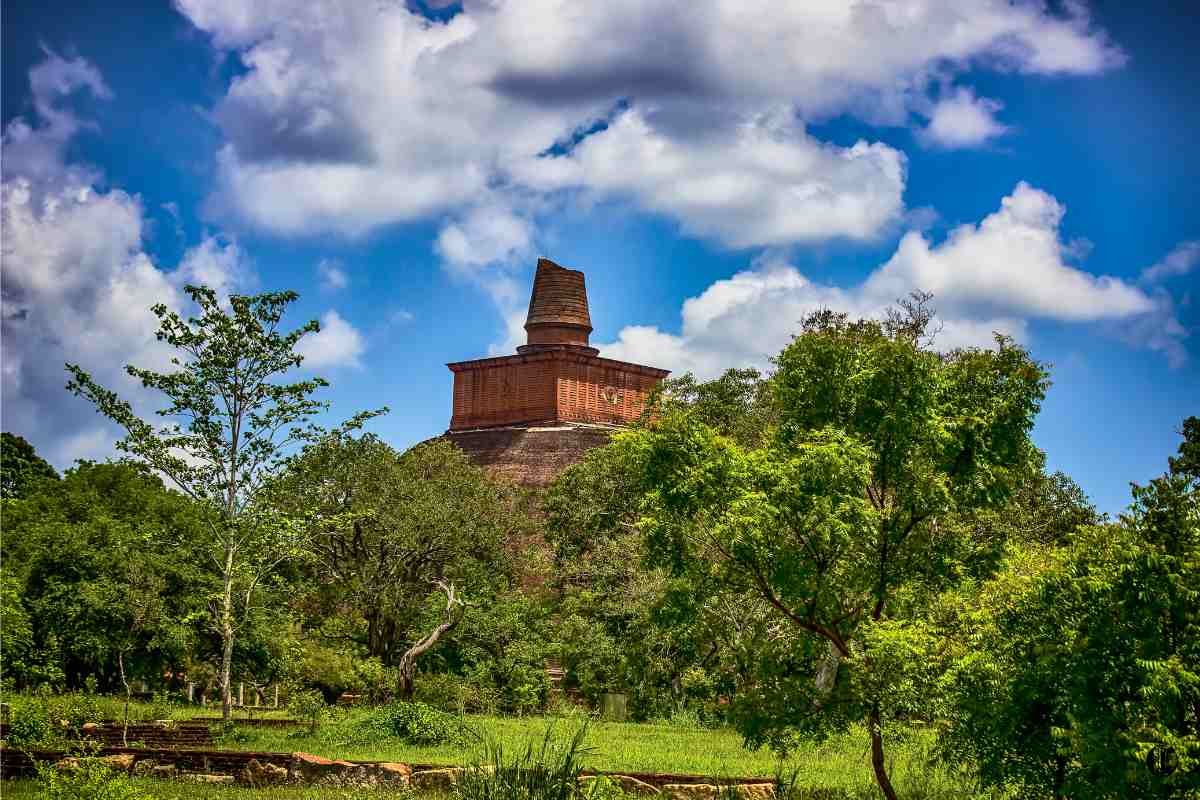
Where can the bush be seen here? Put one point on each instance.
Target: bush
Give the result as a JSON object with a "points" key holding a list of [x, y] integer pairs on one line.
{"points": [[412, 723], [456, 694], [30, 724], [417, 723], [91, 779], [308, 705], [77, 708]]}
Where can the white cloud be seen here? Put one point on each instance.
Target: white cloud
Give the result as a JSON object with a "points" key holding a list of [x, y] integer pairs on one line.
{"points": [[34, 149], [998, 275], [1012, 262], [332, 275], [963, 120], [353, 116], [486, 234], [1182, 259], [337, 344], [219, 265], [762, 182], [77, 284]]}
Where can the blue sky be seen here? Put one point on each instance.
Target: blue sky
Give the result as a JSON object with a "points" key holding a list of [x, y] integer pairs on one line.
{"points": [[716, 169]]}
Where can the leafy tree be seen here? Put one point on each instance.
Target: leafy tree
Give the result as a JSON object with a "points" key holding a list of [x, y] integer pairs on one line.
{"points": [[231, 427], [627, 626], [838, 516], [101, 565], [402, 543], [20, 466], [1076, 672]]}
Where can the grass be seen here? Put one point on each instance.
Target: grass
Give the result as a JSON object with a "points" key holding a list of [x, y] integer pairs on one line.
{"points": [[840, 763]]}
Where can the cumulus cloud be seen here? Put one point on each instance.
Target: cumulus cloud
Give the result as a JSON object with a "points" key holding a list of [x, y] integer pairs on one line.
{"points": [[337, 344], [995, 276], [486, 234], [762, 182], [962, 120], [352, 116], [77, 284], [34, 148], [332, 275]]}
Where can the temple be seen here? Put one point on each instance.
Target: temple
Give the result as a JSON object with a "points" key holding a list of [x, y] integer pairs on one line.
{"points": [[528, 416]]}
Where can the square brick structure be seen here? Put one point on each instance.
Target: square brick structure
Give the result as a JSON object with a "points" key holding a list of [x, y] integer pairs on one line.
{"points": [[528, 416]]}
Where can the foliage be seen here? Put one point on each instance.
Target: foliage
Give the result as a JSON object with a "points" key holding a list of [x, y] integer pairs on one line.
{"points": [[412, 723], [21, 468], [548, 770], [30, 723], [308, 705], [501, 650], [88, 778], [1077, 671], [230, 430], [393, 536], [88, 579], [838, 517], [456, 694], [675, 644]]}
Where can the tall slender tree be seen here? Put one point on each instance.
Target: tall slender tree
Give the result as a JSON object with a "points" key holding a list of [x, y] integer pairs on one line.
{"points": [[231, 424]]}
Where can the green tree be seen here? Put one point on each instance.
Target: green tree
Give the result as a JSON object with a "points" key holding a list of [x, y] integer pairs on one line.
{"points": [[1076, 669], [402, 543], [20, 466], [102, 566], [625, 625], [230, 427], [839, 515]]}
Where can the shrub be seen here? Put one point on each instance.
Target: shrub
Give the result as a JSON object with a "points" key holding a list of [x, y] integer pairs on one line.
{"points": [[413, 723], [77, 708], [308, 705], [417, 723], [457, 694], [30, 724], [90, 779]]}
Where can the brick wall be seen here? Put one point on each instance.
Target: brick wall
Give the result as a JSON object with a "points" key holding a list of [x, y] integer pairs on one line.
{"points": [[557, 384], [529, 456]]}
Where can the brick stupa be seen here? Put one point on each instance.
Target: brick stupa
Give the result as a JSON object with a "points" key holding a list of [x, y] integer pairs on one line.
{"points": [[527, 417]]}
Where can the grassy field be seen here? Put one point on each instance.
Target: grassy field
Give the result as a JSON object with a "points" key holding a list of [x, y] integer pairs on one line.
{"points": [[841, 763]]}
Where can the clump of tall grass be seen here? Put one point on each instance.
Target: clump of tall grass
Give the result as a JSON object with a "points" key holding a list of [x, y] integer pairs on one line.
{"points": [[547, 770]]}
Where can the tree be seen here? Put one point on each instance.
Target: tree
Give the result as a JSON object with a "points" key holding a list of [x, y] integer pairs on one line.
{"points": [[1076, 671], [231, 427], [20, 466], [402, 543], [103, 564], [838, 516], [668, 641]]}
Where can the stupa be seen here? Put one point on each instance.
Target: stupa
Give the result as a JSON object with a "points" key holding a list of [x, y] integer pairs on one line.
{"points": [[528, 416]]}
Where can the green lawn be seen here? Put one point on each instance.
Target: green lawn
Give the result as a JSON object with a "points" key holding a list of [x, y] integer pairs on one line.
{"points": [[841, 762]]}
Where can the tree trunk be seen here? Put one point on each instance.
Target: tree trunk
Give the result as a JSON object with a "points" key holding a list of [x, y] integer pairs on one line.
{"points": [[408, 661], [227, 637], [128, 692], [877, 761], [405, 684]]}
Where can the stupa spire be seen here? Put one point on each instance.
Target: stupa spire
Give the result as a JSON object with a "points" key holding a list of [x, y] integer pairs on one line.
{"points": [[558, 309]]}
